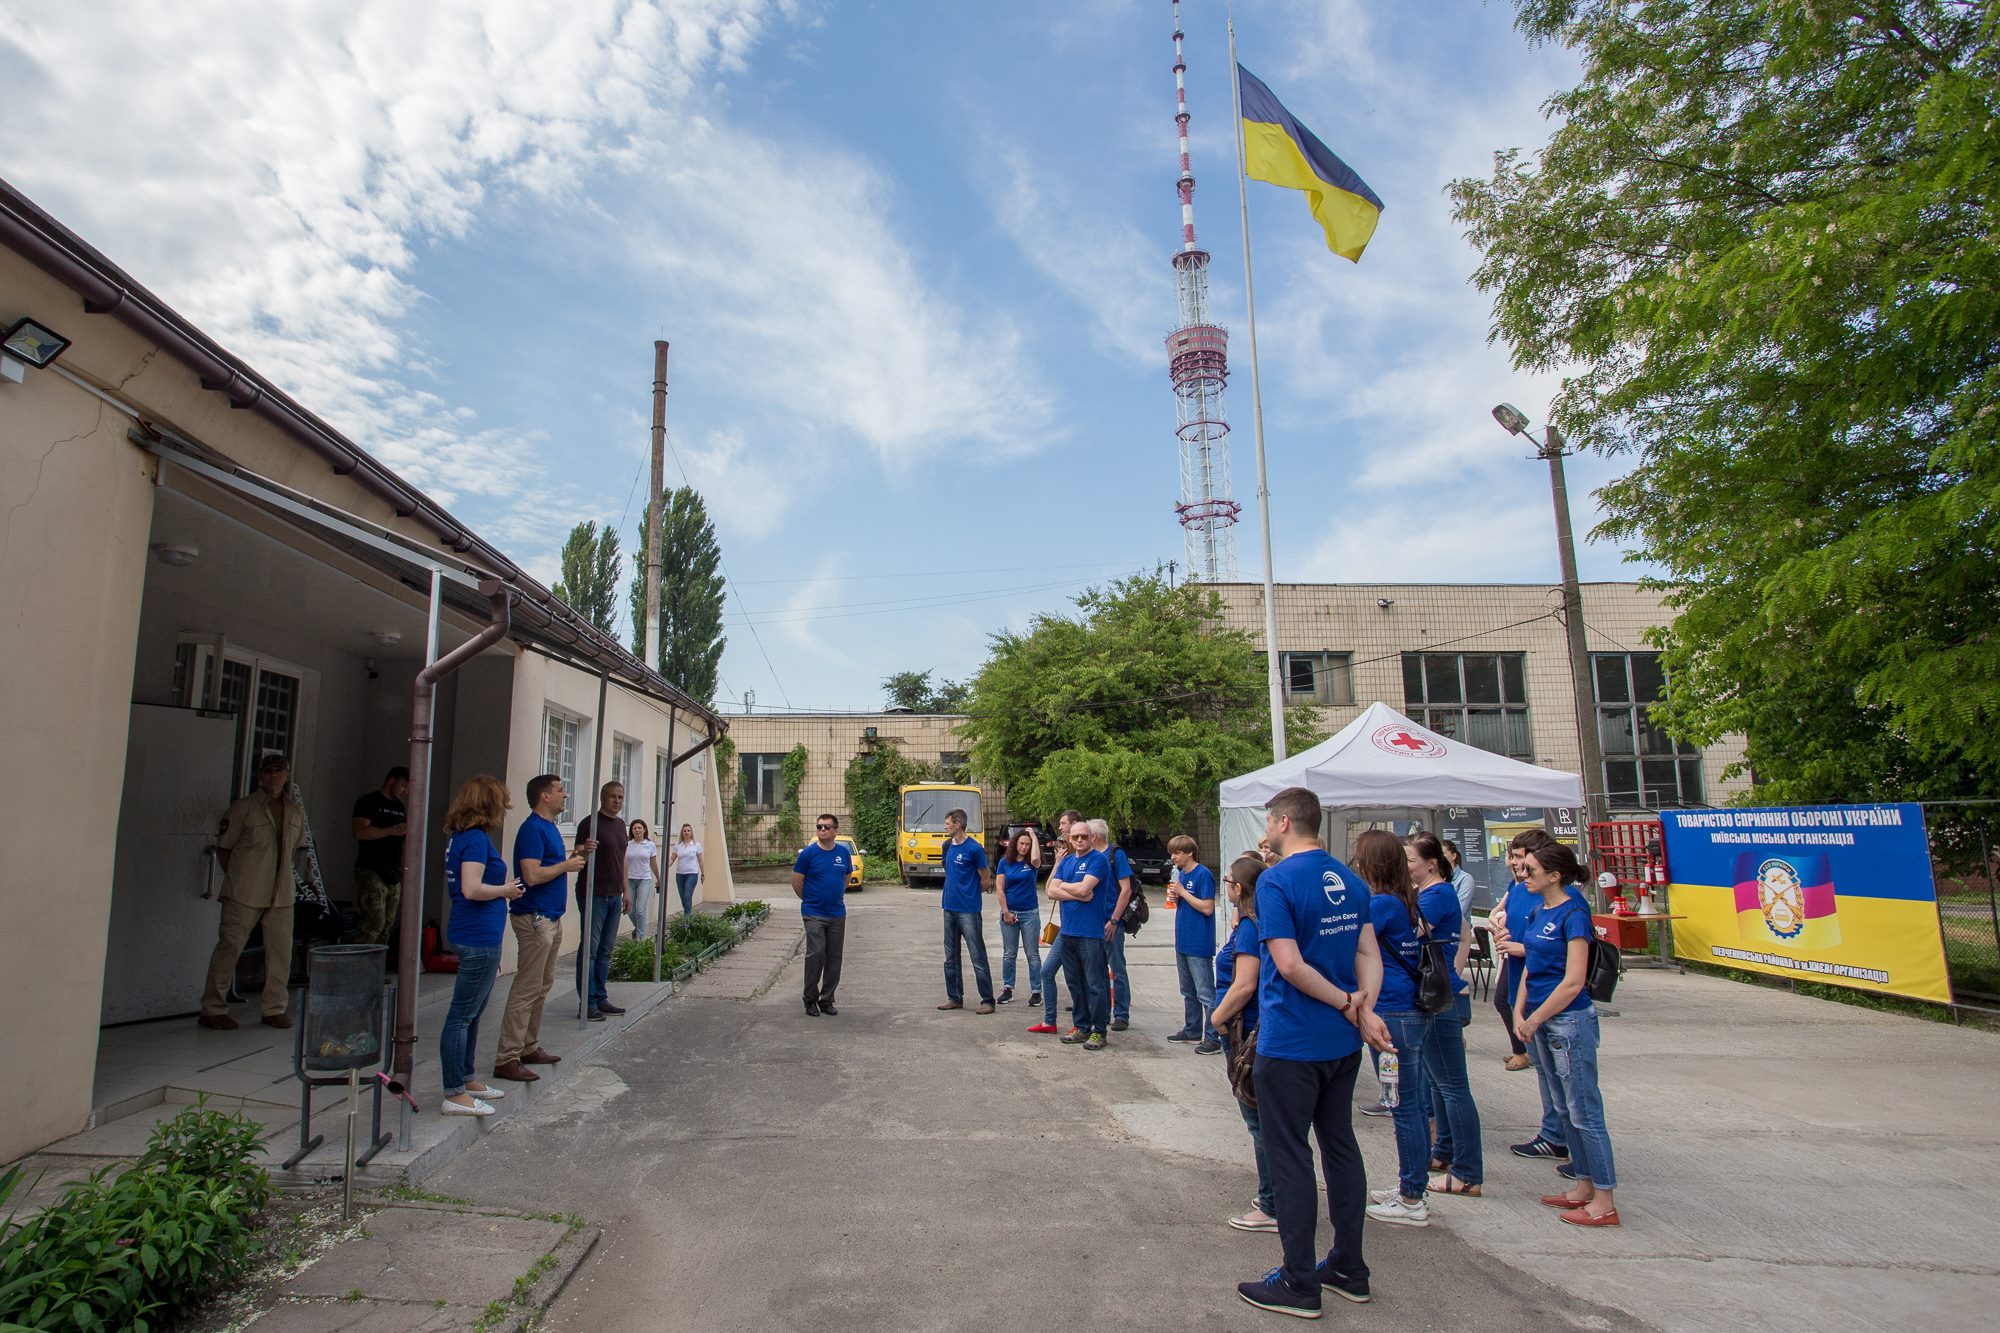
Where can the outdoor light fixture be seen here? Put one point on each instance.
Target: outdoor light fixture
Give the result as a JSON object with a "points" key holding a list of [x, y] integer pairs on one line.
{"points": [[1385, 602], [1511, 418], [178, 556], [388, 638], [36, 344]]}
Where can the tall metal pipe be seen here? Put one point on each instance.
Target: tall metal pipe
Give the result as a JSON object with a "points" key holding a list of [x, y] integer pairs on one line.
{"points": [[409, 929], [654, 563]]}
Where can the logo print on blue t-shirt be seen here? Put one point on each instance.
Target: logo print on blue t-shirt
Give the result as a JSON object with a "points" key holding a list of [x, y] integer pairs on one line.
{"points": [[1335, 886]]}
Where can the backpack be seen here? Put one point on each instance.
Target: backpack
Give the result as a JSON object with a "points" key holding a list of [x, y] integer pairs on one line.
{"points": [[1433, 970], [1600, 976], [1137, 912]]}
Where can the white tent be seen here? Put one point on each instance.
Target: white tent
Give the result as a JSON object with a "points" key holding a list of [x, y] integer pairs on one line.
{"points": [[1383, 761]]}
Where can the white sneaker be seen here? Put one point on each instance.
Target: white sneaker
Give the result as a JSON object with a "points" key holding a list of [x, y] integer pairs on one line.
{"points": [[1254, 1220], [1389, 1195], [489, 1092], [450, 1107], [1401, 1212]]}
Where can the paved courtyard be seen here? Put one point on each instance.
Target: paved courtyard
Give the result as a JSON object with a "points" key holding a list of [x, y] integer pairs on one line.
{"points": [[1784, 1164]]}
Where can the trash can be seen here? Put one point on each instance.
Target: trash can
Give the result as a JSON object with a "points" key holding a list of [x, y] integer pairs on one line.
{"points": [[344, 1007]]}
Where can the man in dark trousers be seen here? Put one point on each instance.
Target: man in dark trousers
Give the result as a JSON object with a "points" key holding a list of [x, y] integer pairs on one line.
{"points": [[819, 878], [380, 824], [609, 901], [1318, 973]]}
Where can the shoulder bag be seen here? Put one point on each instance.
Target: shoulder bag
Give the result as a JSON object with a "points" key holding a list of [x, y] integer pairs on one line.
{"points": [[1433, 970], [1242, 1067]]}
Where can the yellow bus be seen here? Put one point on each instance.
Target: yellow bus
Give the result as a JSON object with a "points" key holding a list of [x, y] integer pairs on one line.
{"points": [[920, 815]]}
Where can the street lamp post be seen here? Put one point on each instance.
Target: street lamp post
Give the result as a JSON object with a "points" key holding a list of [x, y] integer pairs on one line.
{"points": [[1550, 447]]}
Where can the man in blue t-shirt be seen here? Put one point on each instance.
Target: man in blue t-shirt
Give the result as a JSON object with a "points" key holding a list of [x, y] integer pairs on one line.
{"points": [[819, 878], [1192, 896], [543, 866], [1318, 973], [1114, 923], [966, 876], [1081, 882]]}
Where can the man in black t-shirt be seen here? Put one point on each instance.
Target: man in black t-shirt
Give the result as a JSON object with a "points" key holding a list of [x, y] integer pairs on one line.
{"points": [[380, 824]]}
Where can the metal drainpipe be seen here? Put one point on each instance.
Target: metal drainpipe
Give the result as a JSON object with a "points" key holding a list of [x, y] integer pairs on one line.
{"points": [[409, 929]]}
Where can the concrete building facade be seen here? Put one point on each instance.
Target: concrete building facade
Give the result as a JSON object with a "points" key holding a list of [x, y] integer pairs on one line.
{"points": [[196, 570]]}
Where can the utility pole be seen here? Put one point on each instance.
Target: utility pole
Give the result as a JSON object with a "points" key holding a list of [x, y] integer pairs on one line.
{"points": [[1579, 651], [653, 515]]}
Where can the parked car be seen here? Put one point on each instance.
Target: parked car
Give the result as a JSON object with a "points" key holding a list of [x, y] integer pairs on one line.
{"points": [[854, 875], [1148, 855], [1005, 839]]}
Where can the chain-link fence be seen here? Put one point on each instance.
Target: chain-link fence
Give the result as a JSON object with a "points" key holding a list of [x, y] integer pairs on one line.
{"points": [[1965, 845]]}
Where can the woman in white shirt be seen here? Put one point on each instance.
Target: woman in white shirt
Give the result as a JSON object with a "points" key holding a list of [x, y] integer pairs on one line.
{"points": [[642, 872], [688, 867]]}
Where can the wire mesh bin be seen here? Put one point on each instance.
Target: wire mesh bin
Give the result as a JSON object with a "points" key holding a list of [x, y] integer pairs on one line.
{"points": [[344, 1007]]}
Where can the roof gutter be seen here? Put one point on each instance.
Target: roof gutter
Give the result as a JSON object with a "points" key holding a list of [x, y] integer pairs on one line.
{"points": [[109, 290]]}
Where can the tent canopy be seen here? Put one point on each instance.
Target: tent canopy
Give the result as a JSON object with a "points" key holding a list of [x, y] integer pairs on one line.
{"points": [[1383, 759]]}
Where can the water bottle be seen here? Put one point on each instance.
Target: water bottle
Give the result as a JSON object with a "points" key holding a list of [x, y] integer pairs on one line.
{"points": [[1389, 1070]]}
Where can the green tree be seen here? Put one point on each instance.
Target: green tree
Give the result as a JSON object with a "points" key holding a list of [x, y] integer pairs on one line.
{"points": [[589, 581], [1763, 245], [691, 595], [913, 690], [873, 780], [1133, 711]]}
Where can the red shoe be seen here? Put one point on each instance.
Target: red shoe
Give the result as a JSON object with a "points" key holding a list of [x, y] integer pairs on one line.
{"points": [[1576, 1217], [1562, 1201], [1043, 1027]]}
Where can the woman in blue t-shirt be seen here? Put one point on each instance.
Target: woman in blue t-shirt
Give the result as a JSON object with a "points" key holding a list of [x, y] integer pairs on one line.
{"points": [[1456, 1151], [1553, 1012], [1392, 908], [479, 887], [1020, 914], [1236, 977]]}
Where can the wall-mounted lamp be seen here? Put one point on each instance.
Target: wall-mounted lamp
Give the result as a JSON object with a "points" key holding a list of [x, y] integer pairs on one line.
{"points": [[1385, 602], [29, 343], [388, 638], [178, 556]]}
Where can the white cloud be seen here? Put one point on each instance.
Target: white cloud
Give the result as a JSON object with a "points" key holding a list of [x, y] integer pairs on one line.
{"points": [[749, 492]]}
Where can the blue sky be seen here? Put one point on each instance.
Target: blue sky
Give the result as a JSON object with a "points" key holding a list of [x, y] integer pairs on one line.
{"points": [[912, 259]]}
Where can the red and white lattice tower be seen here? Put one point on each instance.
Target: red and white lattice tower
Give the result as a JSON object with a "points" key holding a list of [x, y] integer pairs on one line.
{"points": [[1198, 361]]}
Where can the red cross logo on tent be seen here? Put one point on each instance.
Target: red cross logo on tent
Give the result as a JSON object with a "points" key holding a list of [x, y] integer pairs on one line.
{"points": [[1401, 740]]}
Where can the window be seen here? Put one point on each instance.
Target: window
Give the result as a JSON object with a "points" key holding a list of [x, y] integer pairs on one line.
{"points": [[763, 780], [955, 766], [625, 769], [271, 700], [1644, 768], [1478, 698], [559, 750], [1321, 678]]}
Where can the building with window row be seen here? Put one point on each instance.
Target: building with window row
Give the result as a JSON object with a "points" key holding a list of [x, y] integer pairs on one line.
{"points": [[1489, 664]]}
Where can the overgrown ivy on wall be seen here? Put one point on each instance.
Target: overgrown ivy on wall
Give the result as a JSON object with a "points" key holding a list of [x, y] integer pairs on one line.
{"points": [[873, 777]]}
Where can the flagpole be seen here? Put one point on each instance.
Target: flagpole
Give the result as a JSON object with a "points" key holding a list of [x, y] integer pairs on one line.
{"points": [[1257, 416]]}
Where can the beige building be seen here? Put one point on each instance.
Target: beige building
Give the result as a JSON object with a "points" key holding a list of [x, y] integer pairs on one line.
{"points": [[195, 570], [832, 741], [1489, 663]]}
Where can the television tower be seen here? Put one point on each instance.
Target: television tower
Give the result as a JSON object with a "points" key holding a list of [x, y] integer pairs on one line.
{"points": [[1198, 361]]}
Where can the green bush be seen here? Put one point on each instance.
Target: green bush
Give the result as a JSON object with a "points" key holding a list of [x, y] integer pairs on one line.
{"points": [[137, 1249], [755, 908], [698, 930], [632, 960]]}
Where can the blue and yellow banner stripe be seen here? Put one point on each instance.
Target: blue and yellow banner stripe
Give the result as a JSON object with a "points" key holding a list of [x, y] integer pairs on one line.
{"points": [[1279, 150]]}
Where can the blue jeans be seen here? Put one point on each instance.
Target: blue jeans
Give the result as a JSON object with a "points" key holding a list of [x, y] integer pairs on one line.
{"points": [[1121, 990], [458, 1044], [965, 926], [1022, 935], [1410, 1029], [604, 916], [1567, 1044], [1197, 992], [1451, 1105], [1265, 1203], [1089, 986], [1553, 1128], [642, 899], [1053, 962], [686, 883]]}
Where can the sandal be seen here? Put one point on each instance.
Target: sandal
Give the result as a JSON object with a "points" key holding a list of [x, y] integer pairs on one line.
{"points": [[1450, 1184]]}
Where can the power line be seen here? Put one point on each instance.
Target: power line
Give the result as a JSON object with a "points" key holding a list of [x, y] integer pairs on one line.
{"points": [[934, 573], [842, 611], [730, 584]]}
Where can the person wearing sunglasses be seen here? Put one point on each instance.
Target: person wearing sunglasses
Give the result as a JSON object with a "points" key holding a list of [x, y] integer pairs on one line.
{"points": [[819, 878]]}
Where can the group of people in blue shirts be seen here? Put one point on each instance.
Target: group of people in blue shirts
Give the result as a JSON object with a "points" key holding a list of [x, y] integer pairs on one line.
{"points": [[1327, 959]]}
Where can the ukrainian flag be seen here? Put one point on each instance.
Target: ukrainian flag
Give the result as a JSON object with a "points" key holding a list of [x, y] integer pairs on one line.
{"points": [[1276, 148]]}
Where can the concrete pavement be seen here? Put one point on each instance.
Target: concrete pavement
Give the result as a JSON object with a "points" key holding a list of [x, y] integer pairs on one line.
{"points": [[900, 1168]]}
